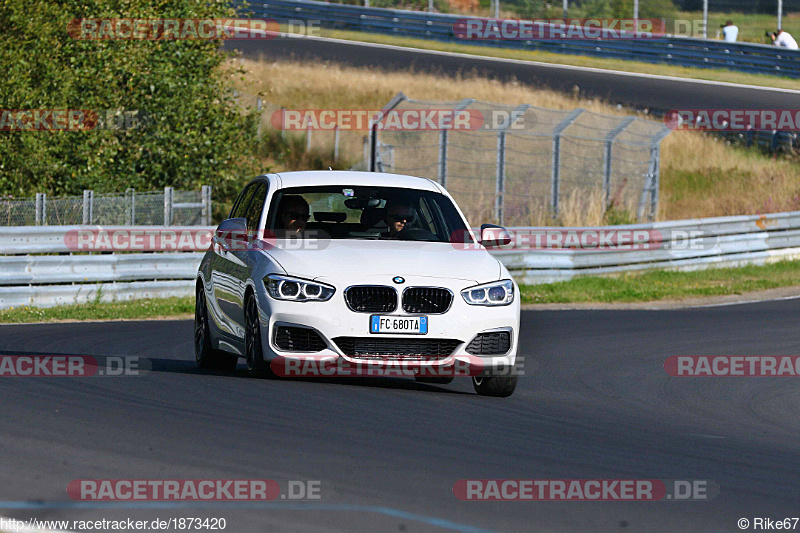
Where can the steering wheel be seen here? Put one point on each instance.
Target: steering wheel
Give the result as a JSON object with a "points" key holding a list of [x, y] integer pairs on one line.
{"points": [[415, 234]]}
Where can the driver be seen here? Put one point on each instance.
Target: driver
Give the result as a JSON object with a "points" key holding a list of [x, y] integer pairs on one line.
{"points": [[293, 215], [399, 215]]}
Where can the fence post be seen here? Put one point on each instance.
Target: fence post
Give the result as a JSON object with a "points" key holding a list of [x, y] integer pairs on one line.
{"points": [[556, 169], [88, 207], [655, 154], [609, 143], [259, 107], [168, 206], [443, 157], [39, 206], [443, 140], [373, 133], [206, 194], [654, 174], [336, 143], [501, 176], [131, 206], [308, 135]]}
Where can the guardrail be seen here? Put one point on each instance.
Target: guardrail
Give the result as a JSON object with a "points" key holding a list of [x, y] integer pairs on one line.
{"points": [[65, 277], [673, 50]]}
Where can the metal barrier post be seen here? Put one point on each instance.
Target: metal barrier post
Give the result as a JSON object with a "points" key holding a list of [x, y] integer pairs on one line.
{"points": [[609, 143], [168, 206], [556, 169], [259, 107]]}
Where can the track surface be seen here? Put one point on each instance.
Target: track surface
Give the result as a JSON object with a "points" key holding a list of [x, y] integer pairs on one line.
{"points": [[639, 91], [596, 403]]}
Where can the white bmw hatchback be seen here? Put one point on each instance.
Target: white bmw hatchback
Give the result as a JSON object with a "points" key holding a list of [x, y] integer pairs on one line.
{"points": [[358, 267]]}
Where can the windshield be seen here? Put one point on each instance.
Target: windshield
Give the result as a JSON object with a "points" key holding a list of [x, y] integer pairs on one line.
{"points": [[356, 212]]}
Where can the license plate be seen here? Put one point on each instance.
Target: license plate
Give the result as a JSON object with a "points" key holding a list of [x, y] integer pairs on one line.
{"points": [[410, 325]]}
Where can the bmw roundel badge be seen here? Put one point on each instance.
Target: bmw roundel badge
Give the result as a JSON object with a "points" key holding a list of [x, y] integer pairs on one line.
{"points": [[399, 279]]}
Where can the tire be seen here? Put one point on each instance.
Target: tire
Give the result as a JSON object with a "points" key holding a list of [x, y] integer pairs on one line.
{"points": [[256, 366], [206, 357], [498, 386]]}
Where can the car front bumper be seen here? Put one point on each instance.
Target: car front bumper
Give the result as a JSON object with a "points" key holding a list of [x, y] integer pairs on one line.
{"points": [[334, 319]]}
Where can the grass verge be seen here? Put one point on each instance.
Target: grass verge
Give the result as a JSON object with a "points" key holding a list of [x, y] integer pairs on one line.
{"points": [[136, 309], [646, 287], [665, 285]]}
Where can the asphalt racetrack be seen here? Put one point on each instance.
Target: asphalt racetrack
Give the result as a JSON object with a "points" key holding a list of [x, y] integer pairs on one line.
{"points": [[640, 91], [596, 403]]}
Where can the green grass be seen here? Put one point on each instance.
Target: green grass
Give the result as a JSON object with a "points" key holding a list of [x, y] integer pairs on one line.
{"points": [[665, 285], [575, 60], [136, 309]]}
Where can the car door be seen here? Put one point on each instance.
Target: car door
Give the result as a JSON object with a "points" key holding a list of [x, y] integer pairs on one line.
{"points": [[241, 259], [227, 272]]}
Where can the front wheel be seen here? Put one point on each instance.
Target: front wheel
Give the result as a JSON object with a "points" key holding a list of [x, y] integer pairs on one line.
{"points": [[205, 355], [499, 386], [256, 366]]}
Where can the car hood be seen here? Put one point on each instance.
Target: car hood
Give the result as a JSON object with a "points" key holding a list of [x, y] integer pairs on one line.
{"points": [[345, 258]]}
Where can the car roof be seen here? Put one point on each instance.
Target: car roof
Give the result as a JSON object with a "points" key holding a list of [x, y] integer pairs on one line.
{"points": [[351, 177]]}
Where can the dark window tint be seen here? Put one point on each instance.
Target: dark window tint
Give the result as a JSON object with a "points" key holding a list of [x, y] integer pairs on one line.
{"points": [[253, 213], [240, 207]]}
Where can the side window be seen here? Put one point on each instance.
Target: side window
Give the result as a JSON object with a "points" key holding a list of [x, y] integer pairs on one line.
{"points": [[240, 207], [253, 213]]}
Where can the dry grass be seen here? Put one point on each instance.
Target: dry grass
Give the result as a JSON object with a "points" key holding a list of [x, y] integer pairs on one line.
{"points": [[703, 176], [700, 176]]}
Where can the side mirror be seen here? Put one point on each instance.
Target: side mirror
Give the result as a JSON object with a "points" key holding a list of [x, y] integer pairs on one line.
{"points": [[493, 236], [231, 233]]}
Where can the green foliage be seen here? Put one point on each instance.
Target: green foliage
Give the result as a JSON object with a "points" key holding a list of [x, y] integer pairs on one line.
{"points": [[195, 134], [132, 310]]}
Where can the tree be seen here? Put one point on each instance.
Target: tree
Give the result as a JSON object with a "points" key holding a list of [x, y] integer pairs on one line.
{"points": [[194, 132]]}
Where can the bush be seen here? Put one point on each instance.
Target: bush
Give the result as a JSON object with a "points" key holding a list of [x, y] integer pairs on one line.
{"points": [[195, 133]]}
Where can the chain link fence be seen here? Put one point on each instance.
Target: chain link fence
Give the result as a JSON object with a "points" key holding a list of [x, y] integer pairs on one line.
{"points": [[169, 208], [526, 165]]}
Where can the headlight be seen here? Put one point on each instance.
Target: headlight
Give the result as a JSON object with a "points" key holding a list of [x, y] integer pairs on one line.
{"points": [[494, 293], [296, 289]]}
